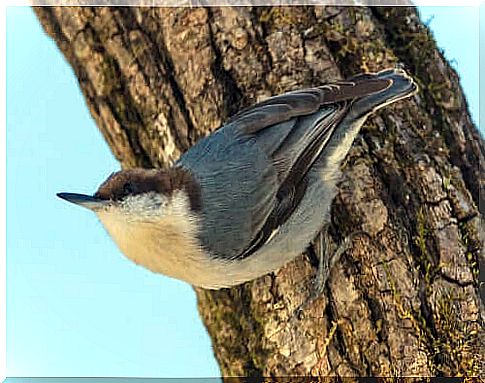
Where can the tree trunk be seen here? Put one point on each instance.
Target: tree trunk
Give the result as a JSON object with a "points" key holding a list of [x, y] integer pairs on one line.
{"points": [[405, 298]]}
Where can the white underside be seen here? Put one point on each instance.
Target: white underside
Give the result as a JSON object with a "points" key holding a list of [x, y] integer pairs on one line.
{"points": [[166, 245]]}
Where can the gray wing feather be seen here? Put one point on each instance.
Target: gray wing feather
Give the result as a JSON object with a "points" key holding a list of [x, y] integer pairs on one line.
{"points": [[252, 171], [238, 186]]}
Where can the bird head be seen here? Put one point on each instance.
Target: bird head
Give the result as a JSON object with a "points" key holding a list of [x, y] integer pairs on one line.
{"points": [[139, 193]]}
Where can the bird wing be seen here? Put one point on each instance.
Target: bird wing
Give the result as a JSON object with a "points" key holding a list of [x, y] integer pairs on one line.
{"points": [[253, 171]]}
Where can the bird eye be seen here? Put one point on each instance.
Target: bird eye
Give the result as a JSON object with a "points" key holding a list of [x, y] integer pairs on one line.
{"points": [[127, 188]]}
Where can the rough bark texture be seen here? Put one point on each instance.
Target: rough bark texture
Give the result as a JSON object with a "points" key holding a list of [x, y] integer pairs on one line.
{"points": [[405, 299]]}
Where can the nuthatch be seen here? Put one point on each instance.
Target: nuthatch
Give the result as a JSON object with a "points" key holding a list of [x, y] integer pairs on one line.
{"points": [[249, 197]]}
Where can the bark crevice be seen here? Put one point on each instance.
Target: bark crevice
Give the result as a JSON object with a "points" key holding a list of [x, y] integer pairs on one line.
{"points": [[231, 93]]}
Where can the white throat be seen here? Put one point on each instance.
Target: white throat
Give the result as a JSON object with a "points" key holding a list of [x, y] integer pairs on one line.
{"points": [[156, 232]]}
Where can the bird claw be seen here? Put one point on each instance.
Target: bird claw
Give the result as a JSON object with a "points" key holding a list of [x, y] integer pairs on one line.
{"points": [[325, 266]]}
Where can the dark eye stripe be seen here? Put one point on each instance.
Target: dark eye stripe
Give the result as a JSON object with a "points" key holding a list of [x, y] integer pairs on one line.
{"points": [[128, 188]]}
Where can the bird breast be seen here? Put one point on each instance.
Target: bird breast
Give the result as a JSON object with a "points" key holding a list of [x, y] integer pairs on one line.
{"points": [[164, 243]]}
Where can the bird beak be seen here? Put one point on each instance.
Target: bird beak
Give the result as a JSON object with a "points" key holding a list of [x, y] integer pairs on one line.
{"points": [[87, 201]]}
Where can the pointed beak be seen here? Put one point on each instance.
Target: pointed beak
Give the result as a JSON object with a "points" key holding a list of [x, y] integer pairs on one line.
{"points": [[87, 201]]}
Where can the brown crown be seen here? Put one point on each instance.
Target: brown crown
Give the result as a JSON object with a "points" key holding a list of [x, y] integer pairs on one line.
{"points": [[139, 181]]}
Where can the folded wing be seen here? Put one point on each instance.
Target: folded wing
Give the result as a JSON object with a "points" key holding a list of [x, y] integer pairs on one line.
{"points": [[253, 171]]}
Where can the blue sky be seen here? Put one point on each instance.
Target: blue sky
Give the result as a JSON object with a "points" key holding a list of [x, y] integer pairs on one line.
{"points": [[75, 305]]}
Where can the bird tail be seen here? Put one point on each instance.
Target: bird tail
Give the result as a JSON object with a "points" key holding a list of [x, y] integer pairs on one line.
{"points": [[401, 86]]}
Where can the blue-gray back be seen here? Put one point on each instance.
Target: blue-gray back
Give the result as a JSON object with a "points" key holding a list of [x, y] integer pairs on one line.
{"points": [[253, 171]]}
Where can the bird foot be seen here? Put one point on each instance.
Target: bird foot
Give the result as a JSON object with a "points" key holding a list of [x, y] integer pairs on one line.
{"points": [[324, 258]]}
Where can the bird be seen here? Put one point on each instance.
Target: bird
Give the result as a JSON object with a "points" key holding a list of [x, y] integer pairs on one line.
{"points": [[249, 197]]}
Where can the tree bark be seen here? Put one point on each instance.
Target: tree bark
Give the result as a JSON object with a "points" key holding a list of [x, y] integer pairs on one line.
{"points": [[405, 299]]}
